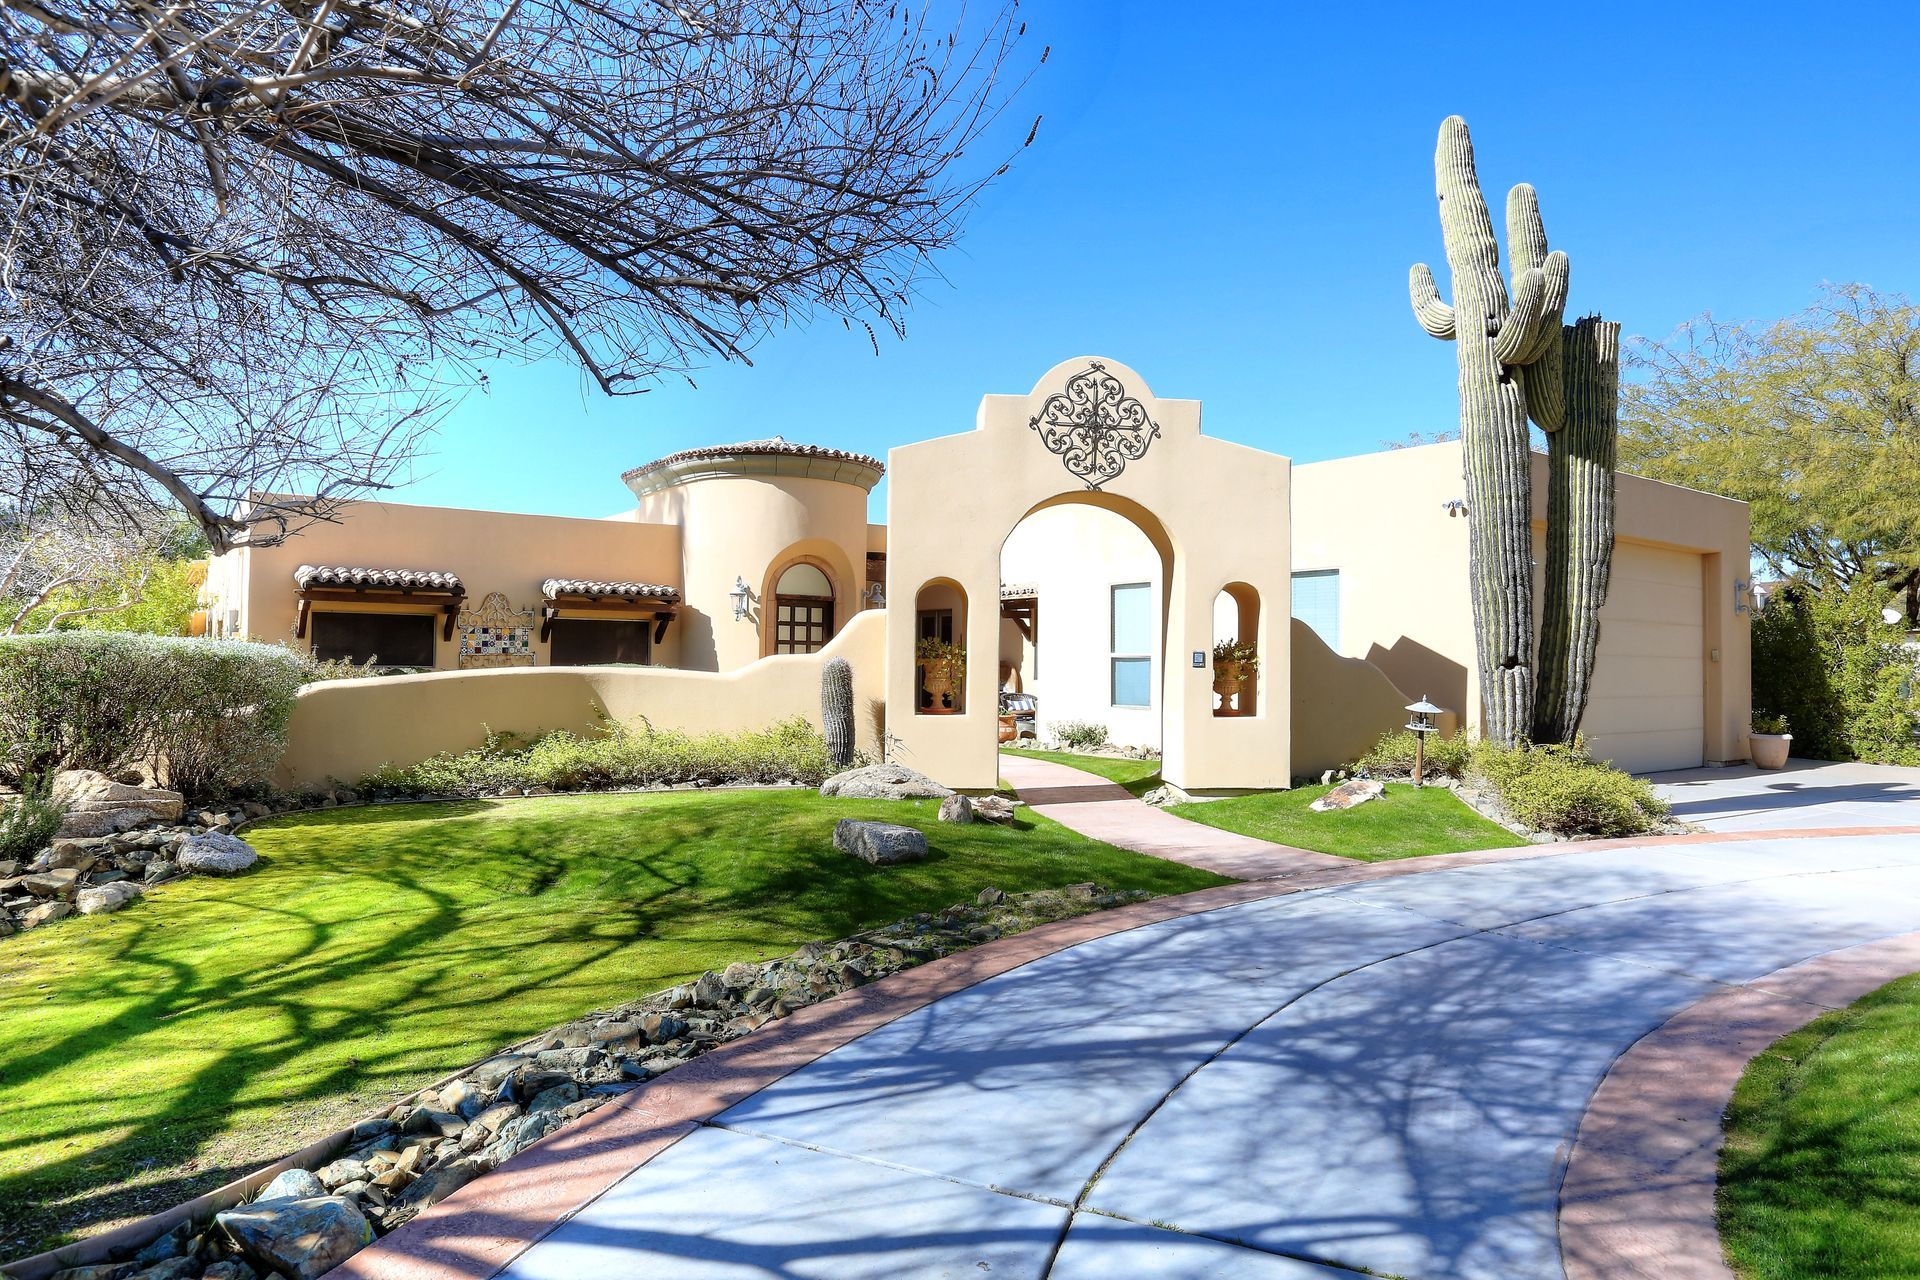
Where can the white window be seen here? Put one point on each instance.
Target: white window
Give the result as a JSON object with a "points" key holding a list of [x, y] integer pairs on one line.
{"points": [[1316, 602], [1132, 641]]}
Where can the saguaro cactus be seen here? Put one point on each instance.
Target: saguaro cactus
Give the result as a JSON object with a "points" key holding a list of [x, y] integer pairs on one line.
{"points": [[1497, 337], [1580, 465], [836, 710]]}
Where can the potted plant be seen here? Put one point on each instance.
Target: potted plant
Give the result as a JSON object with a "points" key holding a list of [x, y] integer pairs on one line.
{"points": [[1234, 665], [943, 668], [1769, 742]]}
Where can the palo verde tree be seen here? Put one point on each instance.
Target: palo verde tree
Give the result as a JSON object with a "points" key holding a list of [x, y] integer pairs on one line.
{"points": [[254, 245], [1518, 362]]}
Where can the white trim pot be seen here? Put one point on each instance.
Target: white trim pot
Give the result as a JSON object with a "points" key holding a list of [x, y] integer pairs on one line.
{"points": [[1769, 750]]}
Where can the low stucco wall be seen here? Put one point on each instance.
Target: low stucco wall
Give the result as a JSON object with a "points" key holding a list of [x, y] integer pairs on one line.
{"points": [[1341, 706], [344, 729]]}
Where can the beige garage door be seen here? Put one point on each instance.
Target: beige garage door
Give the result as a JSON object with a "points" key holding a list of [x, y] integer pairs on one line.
{"points": [[1646, 712]]}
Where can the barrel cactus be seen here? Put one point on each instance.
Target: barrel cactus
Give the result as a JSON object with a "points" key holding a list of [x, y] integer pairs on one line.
{"points": [[836, 710], [1499, 337]]}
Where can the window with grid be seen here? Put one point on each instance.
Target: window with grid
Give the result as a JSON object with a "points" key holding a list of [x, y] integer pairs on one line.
{"points": [[1316, 602], [802, 610], [1131, 653]]}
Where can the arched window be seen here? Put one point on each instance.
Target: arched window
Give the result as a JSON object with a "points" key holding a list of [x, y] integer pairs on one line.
{"points": [[1236, 656], [803, 610], [940, 649]]}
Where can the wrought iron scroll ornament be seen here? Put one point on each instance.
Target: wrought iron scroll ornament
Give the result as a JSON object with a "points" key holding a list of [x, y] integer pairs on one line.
{"points": [[1095, 426]]}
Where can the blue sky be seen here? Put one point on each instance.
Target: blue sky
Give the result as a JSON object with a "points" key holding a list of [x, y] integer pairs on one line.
{"points": [[1230, 203]]}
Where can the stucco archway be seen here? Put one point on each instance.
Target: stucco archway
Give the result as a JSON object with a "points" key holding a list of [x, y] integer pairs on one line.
{"points": [[1091, 431]]}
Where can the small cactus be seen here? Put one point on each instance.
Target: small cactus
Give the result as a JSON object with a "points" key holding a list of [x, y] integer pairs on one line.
{"points": [[836, 710]]}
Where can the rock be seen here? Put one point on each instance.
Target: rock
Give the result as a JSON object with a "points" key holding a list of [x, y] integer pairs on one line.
{"points": [[494, 1118], [884, 782], [107, 897], [98, 1271], [994, 808], [1348, 794], [231, 1269], [8, 868], [880, 844], [96, 805], [293, 1184], [710, 990], [216, 853], [81, 855], [171, 1269], [957, 810], [45, 913], [426, 1120], [341, 1172], [553, 1098], [433, 1186], [1165, 794], [991, 897], [740, 974], [158, 869], [301, 1239], [51, 884], [465, 1098], [171, 1245]]}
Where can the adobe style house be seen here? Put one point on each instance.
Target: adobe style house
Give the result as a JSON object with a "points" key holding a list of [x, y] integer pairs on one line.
{"points": [[1087, 531]]}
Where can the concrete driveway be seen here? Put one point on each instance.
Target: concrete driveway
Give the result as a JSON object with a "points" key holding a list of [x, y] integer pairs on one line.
{"points": [[1806, 794], [1383, 1075]]}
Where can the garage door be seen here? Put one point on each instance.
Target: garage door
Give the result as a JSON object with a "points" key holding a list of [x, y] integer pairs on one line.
{"points": [[1646, 712]]}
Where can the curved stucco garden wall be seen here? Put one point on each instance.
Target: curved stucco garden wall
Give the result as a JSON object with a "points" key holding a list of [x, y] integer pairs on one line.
{"points": [[1341, 706], [344, 729]]}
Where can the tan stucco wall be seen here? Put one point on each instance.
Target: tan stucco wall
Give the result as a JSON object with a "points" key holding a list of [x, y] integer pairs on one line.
{"points": [[344, 729], [952, 502], [1341, 706], [490, 550], [1404, 605]]}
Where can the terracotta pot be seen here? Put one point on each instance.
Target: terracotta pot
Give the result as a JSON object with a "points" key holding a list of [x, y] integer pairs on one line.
{"points": [[1769, 750], [1229, 679], [938, 682]]}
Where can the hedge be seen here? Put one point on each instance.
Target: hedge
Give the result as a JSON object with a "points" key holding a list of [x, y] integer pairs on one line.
{"points": [[209, 717]]}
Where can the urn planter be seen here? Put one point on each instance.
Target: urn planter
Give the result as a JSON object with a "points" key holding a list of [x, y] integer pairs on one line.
{"points": [[1769, 750]]}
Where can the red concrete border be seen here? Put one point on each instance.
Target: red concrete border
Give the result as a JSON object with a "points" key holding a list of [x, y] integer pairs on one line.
{"points": [[481, 1228], [1638, 1200]]}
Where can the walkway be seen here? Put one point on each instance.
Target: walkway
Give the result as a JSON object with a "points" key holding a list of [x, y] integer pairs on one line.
{"points": [[1106, 811], [1260, 1082], [1807, 793]]}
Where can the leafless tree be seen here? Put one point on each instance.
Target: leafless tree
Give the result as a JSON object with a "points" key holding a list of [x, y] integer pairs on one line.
{"points": [[69, 543], [254, 246]]}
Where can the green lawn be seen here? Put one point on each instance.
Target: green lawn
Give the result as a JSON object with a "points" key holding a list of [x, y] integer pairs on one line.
{"points": [[1820, 1176], [149, 1055], [1406, 822]]}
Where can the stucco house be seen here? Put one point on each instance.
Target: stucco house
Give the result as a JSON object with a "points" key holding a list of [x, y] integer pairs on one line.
{"points": [[1087, 531]]}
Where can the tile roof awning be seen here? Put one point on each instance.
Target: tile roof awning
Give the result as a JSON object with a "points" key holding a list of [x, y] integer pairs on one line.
{"points": [[592, 595], [349, 583], [594, 589]]}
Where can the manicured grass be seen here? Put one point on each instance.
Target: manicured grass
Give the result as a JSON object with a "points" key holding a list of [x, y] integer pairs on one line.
{"points": [[149, 1055], [1820, 1175], [1406, 822], [1137, 776]]}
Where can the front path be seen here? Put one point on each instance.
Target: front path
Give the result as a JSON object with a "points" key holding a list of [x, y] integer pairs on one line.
{"points": [[1384, 1074]]}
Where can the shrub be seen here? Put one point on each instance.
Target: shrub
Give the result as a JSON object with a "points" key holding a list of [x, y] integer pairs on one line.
{"points": [[27, 825], [1770, 724], [1078, 735], [1851, 687], [1559, 789], [209, 716], [1392, 756], [618, 756]]}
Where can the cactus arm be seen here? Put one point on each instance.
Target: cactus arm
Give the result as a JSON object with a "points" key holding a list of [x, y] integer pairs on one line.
{"points": [[1435, 316], [1526, 234], [1520, 331], [1546, 389]]}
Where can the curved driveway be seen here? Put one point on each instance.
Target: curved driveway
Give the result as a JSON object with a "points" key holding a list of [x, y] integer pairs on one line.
{"points": [[1383, 1076]]}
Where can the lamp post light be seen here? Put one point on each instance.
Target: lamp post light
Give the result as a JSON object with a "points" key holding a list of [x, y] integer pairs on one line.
{"points": [[740, 597], [1420, 726]]}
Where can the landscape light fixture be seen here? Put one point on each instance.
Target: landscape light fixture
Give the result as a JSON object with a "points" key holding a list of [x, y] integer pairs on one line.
{"points": [[740, 597], [1420, 726]]}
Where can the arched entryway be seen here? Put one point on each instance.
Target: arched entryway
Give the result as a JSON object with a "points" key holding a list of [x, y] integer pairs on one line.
{"points": [[1091, 433]]}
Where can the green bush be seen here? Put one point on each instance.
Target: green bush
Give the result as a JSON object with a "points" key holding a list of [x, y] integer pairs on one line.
{"points": [[27, 825], [1078, 735], [1392, 756], [209, 716], [1827, 662], [1559, 789], [618, 756]]}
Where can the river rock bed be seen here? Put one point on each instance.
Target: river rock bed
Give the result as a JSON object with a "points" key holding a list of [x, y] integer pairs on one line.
{"points": [[307, 1221]]}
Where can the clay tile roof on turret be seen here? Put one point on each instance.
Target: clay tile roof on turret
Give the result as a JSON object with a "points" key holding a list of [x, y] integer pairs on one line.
{"points": [[333, 575], [775, 445], [553, 588]]}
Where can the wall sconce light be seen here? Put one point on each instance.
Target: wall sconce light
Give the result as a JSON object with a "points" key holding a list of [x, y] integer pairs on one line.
{"points": [[877, 595], [741, 598], [1455, 507]]}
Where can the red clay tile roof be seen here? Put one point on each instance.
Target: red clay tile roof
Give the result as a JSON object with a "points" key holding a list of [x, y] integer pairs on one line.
{"points": [[311, 575], [553, 588], [776, 445]]}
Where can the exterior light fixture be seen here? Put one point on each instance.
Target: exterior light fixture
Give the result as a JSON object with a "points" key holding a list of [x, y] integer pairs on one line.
{"points": [[1420, 726], [877, 595], [1455, 507], [740, 597], [1740, 588]]}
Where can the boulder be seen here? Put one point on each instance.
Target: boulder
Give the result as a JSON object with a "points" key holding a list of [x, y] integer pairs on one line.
{"points": [[294, 1184], [1348, 794], [881, 844], [432, 1187], [45, 913], [884, 782], [994, 808], [301, 1239], [96, 805], [231, 1269], [957, 810], [216, 853], [51, 884], [107, 897]]}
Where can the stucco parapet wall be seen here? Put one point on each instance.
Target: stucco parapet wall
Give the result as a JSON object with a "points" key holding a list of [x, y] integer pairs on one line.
{"points": [[775, 457], [555, 588], [308, 575]]}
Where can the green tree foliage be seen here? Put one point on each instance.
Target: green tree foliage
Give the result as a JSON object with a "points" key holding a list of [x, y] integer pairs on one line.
{"points": [[154, 595], [1814, 420], [1848, 684]]}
